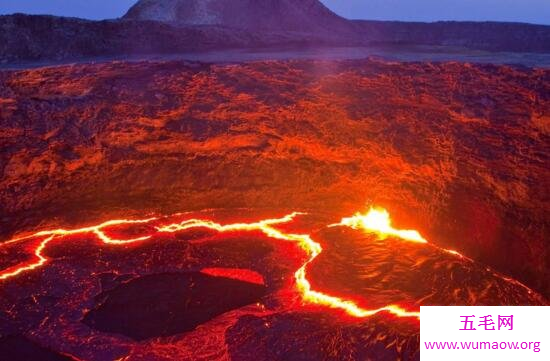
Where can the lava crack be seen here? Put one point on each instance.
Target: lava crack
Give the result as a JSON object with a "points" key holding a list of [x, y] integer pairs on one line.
{"points": [[376, 221]]}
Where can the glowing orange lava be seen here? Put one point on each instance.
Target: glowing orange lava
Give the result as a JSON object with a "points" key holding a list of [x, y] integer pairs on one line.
{"points": [[378, 221], [375, 221], [307, 244], [243, 275], [98, 231]]}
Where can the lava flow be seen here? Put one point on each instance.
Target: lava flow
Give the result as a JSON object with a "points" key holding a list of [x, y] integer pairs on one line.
{"points": [[376, 221], [53, 234]]}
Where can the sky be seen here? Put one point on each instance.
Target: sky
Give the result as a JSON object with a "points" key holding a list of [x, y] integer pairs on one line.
{"points": [[531, 11]]}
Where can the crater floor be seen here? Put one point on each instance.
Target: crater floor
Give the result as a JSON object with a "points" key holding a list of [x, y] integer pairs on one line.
{"points": [[220, 284], [458, 152]]}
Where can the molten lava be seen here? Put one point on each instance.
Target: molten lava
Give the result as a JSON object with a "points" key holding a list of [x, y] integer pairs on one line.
{"points": [[53, 234], [376, 221]]}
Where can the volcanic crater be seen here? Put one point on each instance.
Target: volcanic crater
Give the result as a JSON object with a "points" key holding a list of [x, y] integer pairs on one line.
{"points": [[269, 161]]}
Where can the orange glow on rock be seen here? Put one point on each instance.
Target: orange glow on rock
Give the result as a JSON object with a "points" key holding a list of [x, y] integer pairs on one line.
{"points": [[30, 266], [244, 275], [312, 248], [376, 221], [98, 231]]}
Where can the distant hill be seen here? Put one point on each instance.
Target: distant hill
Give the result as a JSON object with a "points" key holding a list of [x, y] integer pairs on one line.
{"points": [[491, 36], [31, 38], [258, 15], [26, 38], [176, 26]]}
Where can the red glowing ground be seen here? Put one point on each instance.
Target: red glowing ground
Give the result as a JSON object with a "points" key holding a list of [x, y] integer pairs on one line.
{"points": [[96, 263], [376, 221], [51, 256]]}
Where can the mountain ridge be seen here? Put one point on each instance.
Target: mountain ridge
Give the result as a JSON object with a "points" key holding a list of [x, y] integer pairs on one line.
{"points": [[182, 26], [258, 15]]}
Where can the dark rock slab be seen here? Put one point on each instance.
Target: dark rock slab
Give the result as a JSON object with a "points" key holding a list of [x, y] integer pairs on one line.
{"points": [[317, 336], [168, 304], [20, 348]]}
